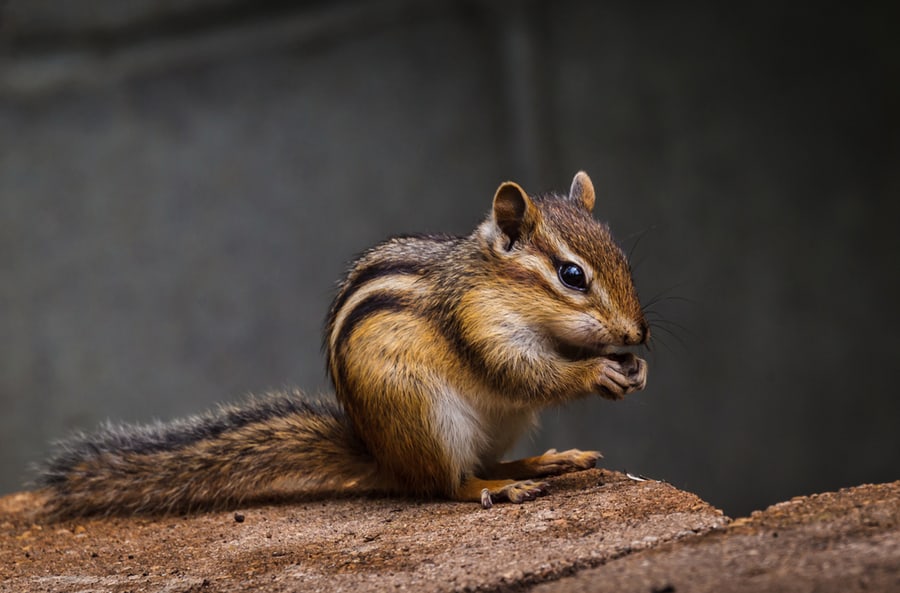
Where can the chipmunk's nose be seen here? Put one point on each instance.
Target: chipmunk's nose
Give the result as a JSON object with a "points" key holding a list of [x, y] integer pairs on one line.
{"points": [[637, 335]]}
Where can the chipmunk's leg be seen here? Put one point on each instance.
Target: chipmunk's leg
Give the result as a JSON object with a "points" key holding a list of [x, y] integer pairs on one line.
{"points": [[551, 463], [489, 491]]}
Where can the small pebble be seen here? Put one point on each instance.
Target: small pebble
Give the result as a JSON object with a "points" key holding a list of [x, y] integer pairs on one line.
{"points": [[239, 518]]}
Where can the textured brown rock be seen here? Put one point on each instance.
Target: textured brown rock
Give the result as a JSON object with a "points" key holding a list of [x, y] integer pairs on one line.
{"points": [[598, 531], [844, 542], [354, 544]]}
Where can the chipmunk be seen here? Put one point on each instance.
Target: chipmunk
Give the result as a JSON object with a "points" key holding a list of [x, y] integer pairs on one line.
{"points": [[441, 349]]}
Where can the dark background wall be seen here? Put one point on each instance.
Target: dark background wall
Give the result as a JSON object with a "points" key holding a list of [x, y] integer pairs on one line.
{"points": [[180, 187]]}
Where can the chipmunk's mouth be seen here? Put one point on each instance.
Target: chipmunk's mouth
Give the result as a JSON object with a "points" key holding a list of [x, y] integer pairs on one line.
{"points": [[619, 370], [576, 352]]}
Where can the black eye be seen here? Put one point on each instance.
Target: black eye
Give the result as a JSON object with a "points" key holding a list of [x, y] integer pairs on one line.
{"points": [[572, 275]]}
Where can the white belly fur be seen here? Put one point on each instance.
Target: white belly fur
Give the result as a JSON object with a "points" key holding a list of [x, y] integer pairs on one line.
{"points": [[476, 438]]}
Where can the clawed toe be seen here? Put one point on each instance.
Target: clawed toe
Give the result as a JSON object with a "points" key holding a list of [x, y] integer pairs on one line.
{"points": [[519, 492]]}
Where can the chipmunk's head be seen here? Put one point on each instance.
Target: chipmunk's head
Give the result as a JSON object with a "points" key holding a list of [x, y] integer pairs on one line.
{"points": [[579, 280]]}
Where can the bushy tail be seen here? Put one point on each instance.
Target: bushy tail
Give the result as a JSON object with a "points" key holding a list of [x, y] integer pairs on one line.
{"points": [[272, 444]]}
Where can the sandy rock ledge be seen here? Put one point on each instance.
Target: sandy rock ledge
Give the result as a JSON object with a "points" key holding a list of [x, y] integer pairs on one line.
{"points": [[596, 531], [351, 545], [840, 542]]}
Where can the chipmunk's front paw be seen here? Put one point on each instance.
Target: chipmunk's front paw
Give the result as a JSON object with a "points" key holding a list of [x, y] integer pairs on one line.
{"points": [[621, 374], [552, 463]]}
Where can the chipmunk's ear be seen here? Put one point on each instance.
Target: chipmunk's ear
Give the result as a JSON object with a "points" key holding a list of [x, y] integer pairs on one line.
{"points": [[583, 190], [514, 212]]}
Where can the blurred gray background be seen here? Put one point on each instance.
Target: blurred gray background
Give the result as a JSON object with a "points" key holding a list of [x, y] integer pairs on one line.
{"points": [[182, 184]]}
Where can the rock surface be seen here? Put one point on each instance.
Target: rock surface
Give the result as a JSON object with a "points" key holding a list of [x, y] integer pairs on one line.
{"points": [[359, 545], [844, 542], [597, 531]]}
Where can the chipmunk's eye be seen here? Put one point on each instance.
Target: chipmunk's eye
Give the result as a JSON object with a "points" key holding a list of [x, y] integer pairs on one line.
{"points": [[572, 276]]}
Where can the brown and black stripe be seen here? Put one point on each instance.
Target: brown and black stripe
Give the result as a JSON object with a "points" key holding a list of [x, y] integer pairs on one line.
{"points": [[400, 274]]}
